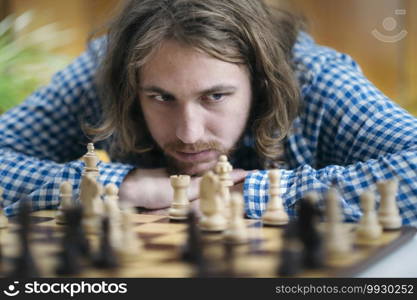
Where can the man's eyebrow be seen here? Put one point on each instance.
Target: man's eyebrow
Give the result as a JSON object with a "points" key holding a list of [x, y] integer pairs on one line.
{"points": [[211, 90], [154, 89], [218, 88]]}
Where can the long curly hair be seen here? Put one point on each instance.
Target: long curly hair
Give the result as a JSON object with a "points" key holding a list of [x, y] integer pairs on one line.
{"points": [[244, 32]]}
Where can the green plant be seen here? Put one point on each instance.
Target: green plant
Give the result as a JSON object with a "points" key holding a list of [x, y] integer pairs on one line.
{"points": [[27, 60]]}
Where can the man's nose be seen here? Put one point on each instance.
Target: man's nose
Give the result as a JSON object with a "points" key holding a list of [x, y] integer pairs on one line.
{"points": [[190, 124]]}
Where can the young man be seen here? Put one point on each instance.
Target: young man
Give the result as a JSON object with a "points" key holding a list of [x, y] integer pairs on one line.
{"points": [[176, 83]]}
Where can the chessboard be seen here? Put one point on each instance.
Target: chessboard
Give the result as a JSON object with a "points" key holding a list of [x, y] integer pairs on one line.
{"points": [[163, 242]]}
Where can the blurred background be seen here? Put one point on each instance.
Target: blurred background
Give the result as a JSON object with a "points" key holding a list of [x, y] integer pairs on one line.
{"points": [[38, 37]]}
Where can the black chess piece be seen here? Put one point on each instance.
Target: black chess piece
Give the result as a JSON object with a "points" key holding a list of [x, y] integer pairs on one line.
{"points": [[313, 250], [24, 265], [290, 261], [79, 234], [69, 262], [106, 257], [229, 260], [192, 249]]}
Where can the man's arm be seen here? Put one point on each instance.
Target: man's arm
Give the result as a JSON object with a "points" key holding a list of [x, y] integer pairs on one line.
{"points": [[151, 188], [41, 140], [349, 134]]}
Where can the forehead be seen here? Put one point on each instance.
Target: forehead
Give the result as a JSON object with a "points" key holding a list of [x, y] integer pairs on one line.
{"points": [[182, 66]]}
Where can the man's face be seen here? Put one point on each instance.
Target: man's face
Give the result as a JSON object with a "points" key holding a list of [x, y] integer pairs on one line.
{"points": [[196, 107]]}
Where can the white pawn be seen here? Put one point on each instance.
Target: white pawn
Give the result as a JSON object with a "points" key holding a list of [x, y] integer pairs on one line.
{"points": [[337, 239], [65, 194], [223, 169], [4, 222], [388, 214], [180, 204], [112, 202], [131, 244], [111, 205], [211, 204], [369, 227], [236, 232], [275, 213]]}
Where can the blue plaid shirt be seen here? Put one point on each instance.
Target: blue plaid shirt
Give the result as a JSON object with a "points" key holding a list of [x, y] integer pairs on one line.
{"points": [[347, 133]]}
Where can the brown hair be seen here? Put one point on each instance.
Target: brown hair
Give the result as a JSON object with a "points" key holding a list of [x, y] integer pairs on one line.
{"points": [[238, 31]]}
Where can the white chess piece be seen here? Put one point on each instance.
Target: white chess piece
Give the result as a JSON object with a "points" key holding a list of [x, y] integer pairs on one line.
{"points": [[211, 204], [111, 205], [275, 213], [236, 232], [368, 227], [131, 243], [180, 204], [112, 201], [337, 239], [90, 198], [91, 160], [223, 169], [4, 222], [65, 194], [388, 214]]}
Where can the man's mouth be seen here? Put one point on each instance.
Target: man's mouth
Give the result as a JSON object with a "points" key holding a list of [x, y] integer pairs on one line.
{"points": [[195, 156]]}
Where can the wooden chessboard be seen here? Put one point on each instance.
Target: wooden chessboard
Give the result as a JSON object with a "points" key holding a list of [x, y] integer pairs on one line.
{"points": [[163, 241]]}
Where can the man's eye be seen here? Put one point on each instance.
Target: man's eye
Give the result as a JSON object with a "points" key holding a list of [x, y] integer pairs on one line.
{"points": [[215, 97], [162, 98]]}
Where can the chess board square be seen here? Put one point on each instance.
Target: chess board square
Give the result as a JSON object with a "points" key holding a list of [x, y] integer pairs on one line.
{"points": [[174, 239], [166, 228], [44, 213], [146, 218]]}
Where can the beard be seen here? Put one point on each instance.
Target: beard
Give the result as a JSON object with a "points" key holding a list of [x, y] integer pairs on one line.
{"points": [[194, 168]]}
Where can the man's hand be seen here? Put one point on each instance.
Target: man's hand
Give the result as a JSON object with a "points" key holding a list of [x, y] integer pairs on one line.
{"points": [[151, 188]]}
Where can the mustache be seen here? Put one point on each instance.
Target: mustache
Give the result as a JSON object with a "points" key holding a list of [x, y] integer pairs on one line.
{"points": [[195, 147]]}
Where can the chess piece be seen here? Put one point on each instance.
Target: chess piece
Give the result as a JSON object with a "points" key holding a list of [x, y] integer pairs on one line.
{"points": [[91, 160], [388, 214], [230, 261], [106, 257], [130, 242], [236, 232], [369, 227], [192, 249], [65, 194], [308, 217], [211, 204], [1, 248], [4, 222], [337, 239], [180, 203], [290, 257], [223, 169], [111, 201], [69, 262], [90, 191], [275, 214], [90, 198], [111, 206], [24, 265]]}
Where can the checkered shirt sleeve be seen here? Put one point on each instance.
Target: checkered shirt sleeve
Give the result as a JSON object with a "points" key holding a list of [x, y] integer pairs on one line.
{"points": [[348, 134], [41, 140]]}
